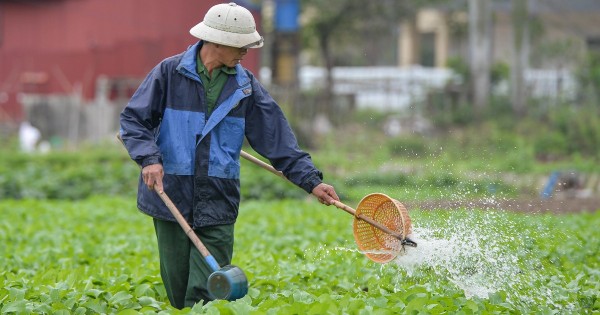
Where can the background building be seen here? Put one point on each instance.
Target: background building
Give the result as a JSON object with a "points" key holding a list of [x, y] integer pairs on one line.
{"points": [[81, 59]]}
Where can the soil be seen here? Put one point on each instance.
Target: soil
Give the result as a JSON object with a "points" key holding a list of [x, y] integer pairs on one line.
{"points": [[550, 205]]}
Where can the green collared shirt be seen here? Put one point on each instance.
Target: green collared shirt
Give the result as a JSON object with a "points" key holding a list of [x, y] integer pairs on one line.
{"points": [[213, 85]]}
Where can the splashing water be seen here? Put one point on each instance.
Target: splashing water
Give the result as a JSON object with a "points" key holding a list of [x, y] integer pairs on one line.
{"points": [[476, 251], [483, 252], [460, 257]]}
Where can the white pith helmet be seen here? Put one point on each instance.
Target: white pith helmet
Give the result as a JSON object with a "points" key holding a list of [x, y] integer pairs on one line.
{"points": [[228, 24]]}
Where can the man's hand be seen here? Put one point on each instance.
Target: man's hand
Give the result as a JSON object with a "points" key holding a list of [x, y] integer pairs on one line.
{"points": [[325, 194], [153, 176]]}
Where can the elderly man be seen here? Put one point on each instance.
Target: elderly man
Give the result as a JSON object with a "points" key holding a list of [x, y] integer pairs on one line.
{"points": [[185, 126]]}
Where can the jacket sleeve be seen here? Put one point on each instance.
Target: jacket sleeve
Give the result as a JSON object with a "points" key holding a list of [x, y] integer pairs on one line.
{"points": [[140, 119], [270, 135]]}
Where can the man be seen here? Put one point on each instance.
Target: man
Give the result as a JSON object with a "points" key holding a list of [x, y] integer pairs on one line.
{"points": [[185, 126]]}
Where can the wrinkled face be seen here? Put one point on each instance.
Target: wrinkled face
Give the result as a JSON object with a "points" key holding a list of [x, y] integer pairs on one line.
{"points": [[231, 56]]}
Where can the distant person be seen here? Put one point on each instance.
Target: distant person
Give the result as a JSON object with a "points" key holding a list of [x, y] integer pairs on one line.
{"points": [[185, 126], [29, 136]]}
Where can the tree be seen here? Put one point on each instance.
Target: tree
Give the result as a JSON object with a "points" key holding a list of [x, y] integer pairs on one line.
{"points": [[480, 14], [331, 22], [520, 56]]}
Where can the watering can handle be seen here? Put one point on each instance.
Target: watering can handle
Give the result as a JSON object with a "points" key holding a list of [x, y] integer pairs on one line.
{"points": [[188, 230], [210, 260], [336, 203]]}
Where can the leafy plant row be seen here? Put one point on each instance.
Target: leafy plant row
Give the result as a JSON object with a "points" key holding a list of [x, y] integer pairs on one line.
{"points": [[98, 256], [110, 172], [81, 174]]}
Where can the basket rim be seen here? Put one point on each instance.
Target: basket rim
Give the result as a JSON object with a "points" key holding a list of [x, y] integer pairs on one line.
{"points": [[397, 204], [405, 230]]}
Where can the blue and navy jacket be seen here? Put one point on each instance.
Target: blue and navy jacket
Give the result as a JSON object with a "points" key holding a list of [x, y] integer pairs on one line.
{"points": [[166, 122]]}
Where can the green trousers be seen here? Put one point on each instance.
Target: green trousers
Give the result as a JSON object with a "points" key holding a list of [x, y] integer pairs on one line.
{"points": [[183, 269]]}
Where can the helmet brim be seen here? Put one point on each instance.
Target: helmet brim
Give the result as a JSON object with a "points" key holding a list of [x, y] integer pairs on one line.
{"points": [[209, 34]]}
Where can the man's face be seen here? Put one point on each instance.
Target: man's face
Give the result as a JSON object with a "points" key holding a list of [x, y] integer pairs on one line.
{"points": [[231, 56]]}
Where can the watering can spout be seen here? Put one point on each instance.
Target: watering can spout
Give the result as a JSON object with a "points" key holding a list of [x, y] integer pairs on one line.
{"points": [[407, 241]]}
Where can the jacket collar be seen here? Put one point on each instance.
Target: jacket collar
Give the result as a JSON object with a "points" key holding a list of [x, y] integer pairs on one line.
{"points": [[187, 66]]}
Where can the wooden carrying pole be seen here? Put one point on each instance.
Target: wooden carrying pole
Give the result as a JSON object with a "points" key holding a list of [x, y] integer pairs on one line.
{"points": [[336, 203]]}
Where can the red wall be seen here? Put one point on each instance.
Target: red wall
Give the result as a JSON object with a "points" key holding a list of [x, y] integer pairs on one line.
{"points": [[50, 46]]}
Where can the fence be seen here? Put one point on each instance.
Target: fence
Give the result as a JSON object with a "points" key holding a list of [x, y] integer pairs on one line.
{"points": [[390, 88]]}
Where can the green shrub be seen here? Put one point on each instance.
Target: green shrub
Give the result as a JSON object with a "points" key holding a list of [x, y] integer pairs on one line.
{"points": [[408, 147], [584, 134], [370, 117], [67, 175], [550, 146], [392, 179], [257, 183], [580, 128], [443, 180], [500, 71], [588, 77]]}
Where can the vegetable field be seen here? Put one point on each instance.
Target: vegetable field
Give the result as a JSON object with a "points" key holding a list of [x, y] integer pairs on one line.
{"points": [[97, 255]]}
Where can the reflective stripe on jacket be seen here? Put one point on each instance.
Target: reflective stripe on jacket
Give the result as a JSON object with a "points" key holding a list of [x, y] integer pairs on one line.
{"points": [[165, 122]]}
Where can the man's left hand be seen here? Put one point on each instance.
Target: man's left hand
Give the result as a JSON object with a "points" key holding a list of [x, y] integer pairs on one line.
{"points": [[325, 194]]}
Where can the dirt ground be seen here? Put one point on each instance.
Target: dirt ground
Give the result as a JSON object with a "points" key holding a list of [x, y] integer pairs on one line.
{"points": [[551, 205]]}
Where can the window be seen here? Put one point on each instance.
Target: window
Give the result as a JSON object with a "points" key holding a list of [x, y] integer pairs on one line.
{"points": [[593, 43], [427, 49]]}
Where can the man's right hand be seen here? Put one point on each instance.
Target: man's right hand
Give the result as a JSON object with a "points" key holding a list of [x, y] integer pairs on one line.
{"points": [[153, 176]]}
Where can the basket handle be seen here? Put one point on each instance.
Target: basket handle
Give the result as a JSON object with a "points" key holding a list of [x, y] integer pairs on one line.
{"points": [[336, 203]]}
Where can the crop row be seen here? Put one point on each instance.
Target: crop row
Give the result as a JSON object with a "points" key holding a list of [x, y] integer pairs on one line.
{"points": [[97, 255]]}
